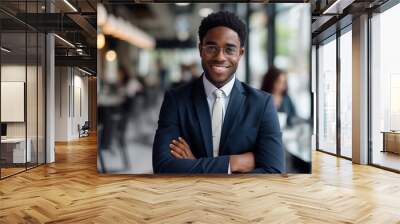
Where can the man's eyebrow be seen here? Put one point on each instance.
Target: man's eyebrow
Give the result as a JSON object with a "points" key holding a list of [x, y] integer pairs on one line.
{"points": [[210, 43], [214, 43], [231, 45]]}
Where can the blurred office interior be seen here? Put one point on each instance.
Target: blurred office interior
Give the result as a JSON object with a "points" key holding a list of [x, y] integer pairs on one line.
{"points": [[145, 49]]}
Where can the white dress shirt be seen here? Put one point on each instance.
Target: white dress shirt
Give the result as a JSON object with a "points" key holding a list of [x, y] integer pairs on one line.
{"points": [[209, 89]]}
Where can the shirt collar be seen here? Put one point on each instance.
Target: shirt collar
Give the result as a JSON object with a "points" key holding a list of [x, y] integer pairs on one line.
{"points": [[210, 88]]}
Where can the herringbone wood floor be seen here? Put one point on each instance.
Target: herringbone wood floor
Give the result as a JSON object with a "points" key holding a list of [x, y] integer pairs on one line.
{"points": [[71, 191]]}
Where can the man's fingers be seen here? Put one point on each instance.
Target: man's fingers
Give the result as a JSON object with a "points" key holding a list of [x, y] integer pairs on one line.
{"points": [[181, 146], [184, 142], [176, 154], [178, 150], [187, 147]]}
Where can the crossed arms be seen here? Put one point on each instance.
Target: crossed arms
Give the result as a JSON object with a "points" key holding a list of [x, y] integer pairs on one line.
{"points": [[173, 155], [241, 163]]}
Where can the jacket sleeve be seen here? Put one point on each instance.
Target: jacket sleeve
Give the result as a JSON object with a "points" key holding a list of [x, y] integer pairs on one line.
{"points": [[269, 153], [168, 129]]}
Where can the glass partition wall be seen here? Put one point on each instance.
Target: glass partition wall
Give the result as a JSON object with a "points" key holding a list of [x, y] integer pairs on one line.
{"points": [[385, 89], [22, 77], [13, 110], [334, 94]]}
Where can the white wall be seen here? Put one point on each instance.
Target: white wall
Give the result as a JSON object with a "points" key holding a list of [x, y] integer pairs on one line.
{"points": [[16, 73], [62, 81], [70, 83]]}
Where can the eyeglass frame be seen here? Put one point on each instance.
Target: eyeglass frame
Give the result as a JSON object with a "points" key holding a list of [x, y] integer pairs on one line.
{"points": [[236, 53]]}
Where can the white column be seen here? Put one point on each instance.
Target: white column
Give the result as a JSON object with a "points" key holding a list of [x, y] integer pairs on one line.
{"points": [[360, 90], [63, 76], [50, 99], [50, 92]]}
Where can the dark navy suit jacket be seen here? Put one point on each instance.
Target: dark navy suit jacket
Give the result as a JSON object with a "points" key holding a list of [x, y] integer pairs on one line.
{"points": [[250, 125]]}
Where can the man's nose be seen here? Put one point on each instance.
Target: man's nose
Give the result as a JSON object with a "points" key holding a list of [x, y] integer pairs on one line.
{"points": [[220, 54]]}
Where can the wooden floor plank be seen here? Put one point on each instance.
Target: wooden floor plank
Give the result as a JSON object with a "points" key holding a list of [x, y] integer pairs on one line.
{"points": [[71, 191]]}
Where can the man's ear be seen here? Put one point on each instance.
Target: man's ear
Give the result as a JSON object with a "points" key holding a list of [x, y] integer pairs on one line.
{"points": [[200, 48], [242, 50]]}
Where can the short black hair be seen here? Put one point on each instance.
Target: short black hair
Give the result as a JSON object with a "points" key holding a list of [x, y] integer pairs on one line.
{"points": [[226, 19]]}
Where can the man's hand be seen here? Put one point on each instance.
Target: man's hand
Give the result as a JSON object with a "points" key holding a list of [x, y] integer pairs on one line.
{"points": [[242, 163], [180, 149]]}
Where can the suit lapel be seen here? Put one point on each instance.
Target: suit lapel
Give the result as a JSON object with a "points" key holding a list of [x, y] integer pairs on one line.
{"points": [[203, 114], [235, 108]]}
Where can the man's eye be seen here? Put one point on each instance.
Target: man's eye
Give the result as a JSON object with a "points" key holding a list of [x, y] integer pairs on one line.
{"points": [[230, 50], [212, 48]]}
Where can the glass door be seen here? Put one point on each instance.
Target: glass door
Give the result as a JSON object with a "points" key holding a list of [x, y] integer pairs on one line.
{"points": [[327, 96]]}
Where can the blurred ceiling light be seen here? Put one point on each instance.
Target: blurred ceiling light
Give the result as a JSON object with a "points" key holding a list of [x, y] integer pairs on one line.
{"points": [[182, 4], [111, 55], [70, 5], [204, 12], [5, 50], [65, 41], [121, 29], [101, 41], [101, 15]]}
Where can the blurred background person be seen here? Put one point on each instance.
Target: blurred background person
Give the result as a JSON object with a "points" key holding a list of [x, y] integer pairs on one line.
{"points": [[275, 83]]}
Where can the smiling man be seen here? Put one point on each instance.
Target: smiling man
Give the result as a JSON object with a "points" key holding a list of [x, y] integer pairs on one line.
{"points": [[217, 124]]}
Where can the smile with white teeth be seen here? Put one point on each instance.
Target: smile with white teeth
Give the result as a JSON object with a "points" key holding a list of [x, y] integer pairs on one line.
{"points": [[219, 68]]}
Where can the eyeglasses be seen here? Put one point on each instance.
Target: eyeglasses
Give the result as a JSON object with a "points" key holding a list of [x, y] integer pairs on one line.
{"points": [[213, 50]]}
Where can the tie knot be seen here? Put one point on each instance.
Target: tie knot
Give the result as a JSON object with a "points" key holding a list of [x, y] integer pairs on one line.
{"points": [[218, 93]]}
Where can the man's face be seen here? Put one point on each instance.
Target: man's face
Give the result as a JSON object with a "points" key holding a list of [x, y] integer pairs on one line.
{"points": [[220, 53]]}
